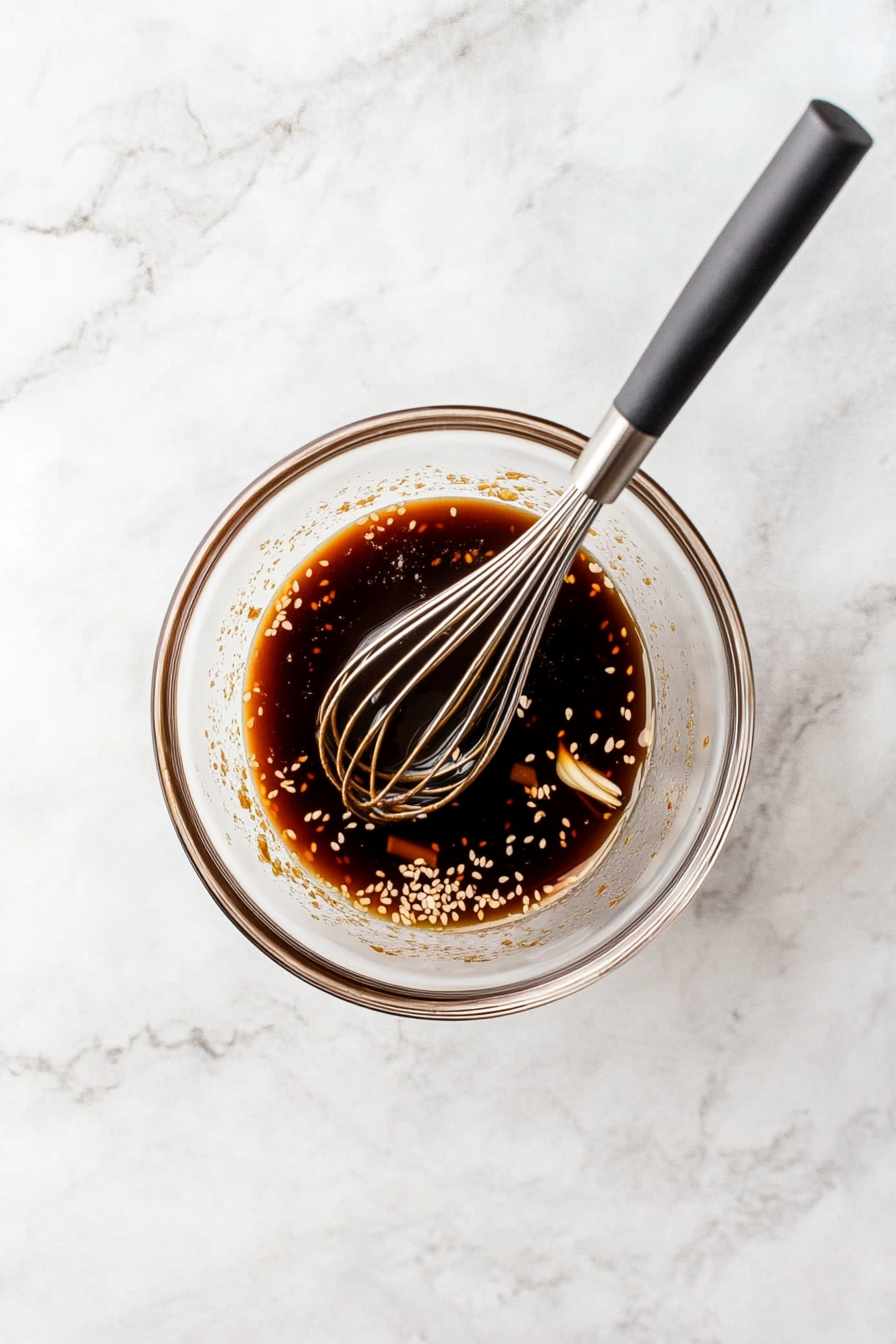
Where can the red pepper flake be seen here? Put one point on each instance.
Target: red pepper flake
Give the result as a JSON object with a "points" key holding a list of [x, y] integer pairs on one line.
{"points": [[406, 849]]}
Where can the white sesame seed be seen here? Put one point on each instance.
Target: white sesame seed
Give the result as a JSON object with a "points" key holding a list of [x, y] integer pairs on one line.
{"points": [[568, 713]]}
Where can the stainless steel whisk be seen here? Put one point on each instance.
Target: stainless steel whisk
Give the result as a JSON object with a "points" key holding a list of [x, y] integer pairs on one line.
{"points": [[420, 708]]}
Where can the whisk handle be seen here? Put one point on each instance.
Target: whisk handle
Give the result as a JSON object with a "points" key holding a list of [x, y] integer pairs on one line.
{"points": [[765, 231]]}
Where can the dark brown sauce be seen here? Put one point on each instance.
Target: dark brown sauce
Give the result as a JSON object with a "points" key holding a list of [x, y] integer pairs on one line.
{"points": [[511, 838]]}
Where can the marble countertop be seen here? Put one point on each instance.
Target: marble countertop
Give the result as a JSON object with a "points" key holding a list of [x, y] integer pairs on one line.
{"points": [[225, 229]]}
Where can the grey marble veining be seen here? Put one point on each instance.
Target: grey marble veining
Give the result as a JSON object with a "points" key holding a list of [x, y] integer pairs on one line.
{"points": [[223, 230]]}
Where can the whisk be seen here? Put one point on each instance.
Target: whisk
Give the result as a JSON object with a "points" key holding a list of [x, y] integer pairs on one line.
{"points": [[421, 707]]}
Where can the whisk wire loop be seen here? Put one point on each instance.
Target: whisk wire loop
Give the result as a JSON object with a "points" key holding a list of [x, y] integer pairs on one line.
{"points": [[508, 599]]}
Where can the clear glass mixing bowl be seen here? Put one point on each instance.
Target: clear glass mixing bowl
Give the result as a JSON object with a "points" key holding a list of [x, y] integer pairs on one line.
{"points": [[667, 840]]}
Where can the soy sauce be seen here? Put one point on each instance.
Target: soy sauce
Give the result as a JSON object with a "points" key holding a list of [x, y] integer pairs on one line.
{"points": [[512, 838]]}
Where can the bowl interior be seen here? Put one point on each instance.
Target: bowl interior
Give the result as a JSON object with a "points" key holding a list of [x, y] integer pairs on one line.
{"points": [[664, 844]]}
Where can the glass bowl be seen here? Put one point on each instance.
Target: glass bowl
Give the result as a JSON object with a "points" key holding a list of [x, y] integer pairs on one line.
{"points": [[665, 843]]}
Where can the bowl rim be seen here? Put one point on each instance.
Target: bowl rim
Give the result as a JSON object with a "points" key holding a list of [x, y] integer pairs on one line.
{"points": [[676, 892]]}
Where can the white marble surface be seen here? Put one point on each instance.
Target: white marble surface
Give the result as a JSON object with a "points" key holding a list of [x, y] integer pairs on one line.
{"points": [[225, 228]]}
